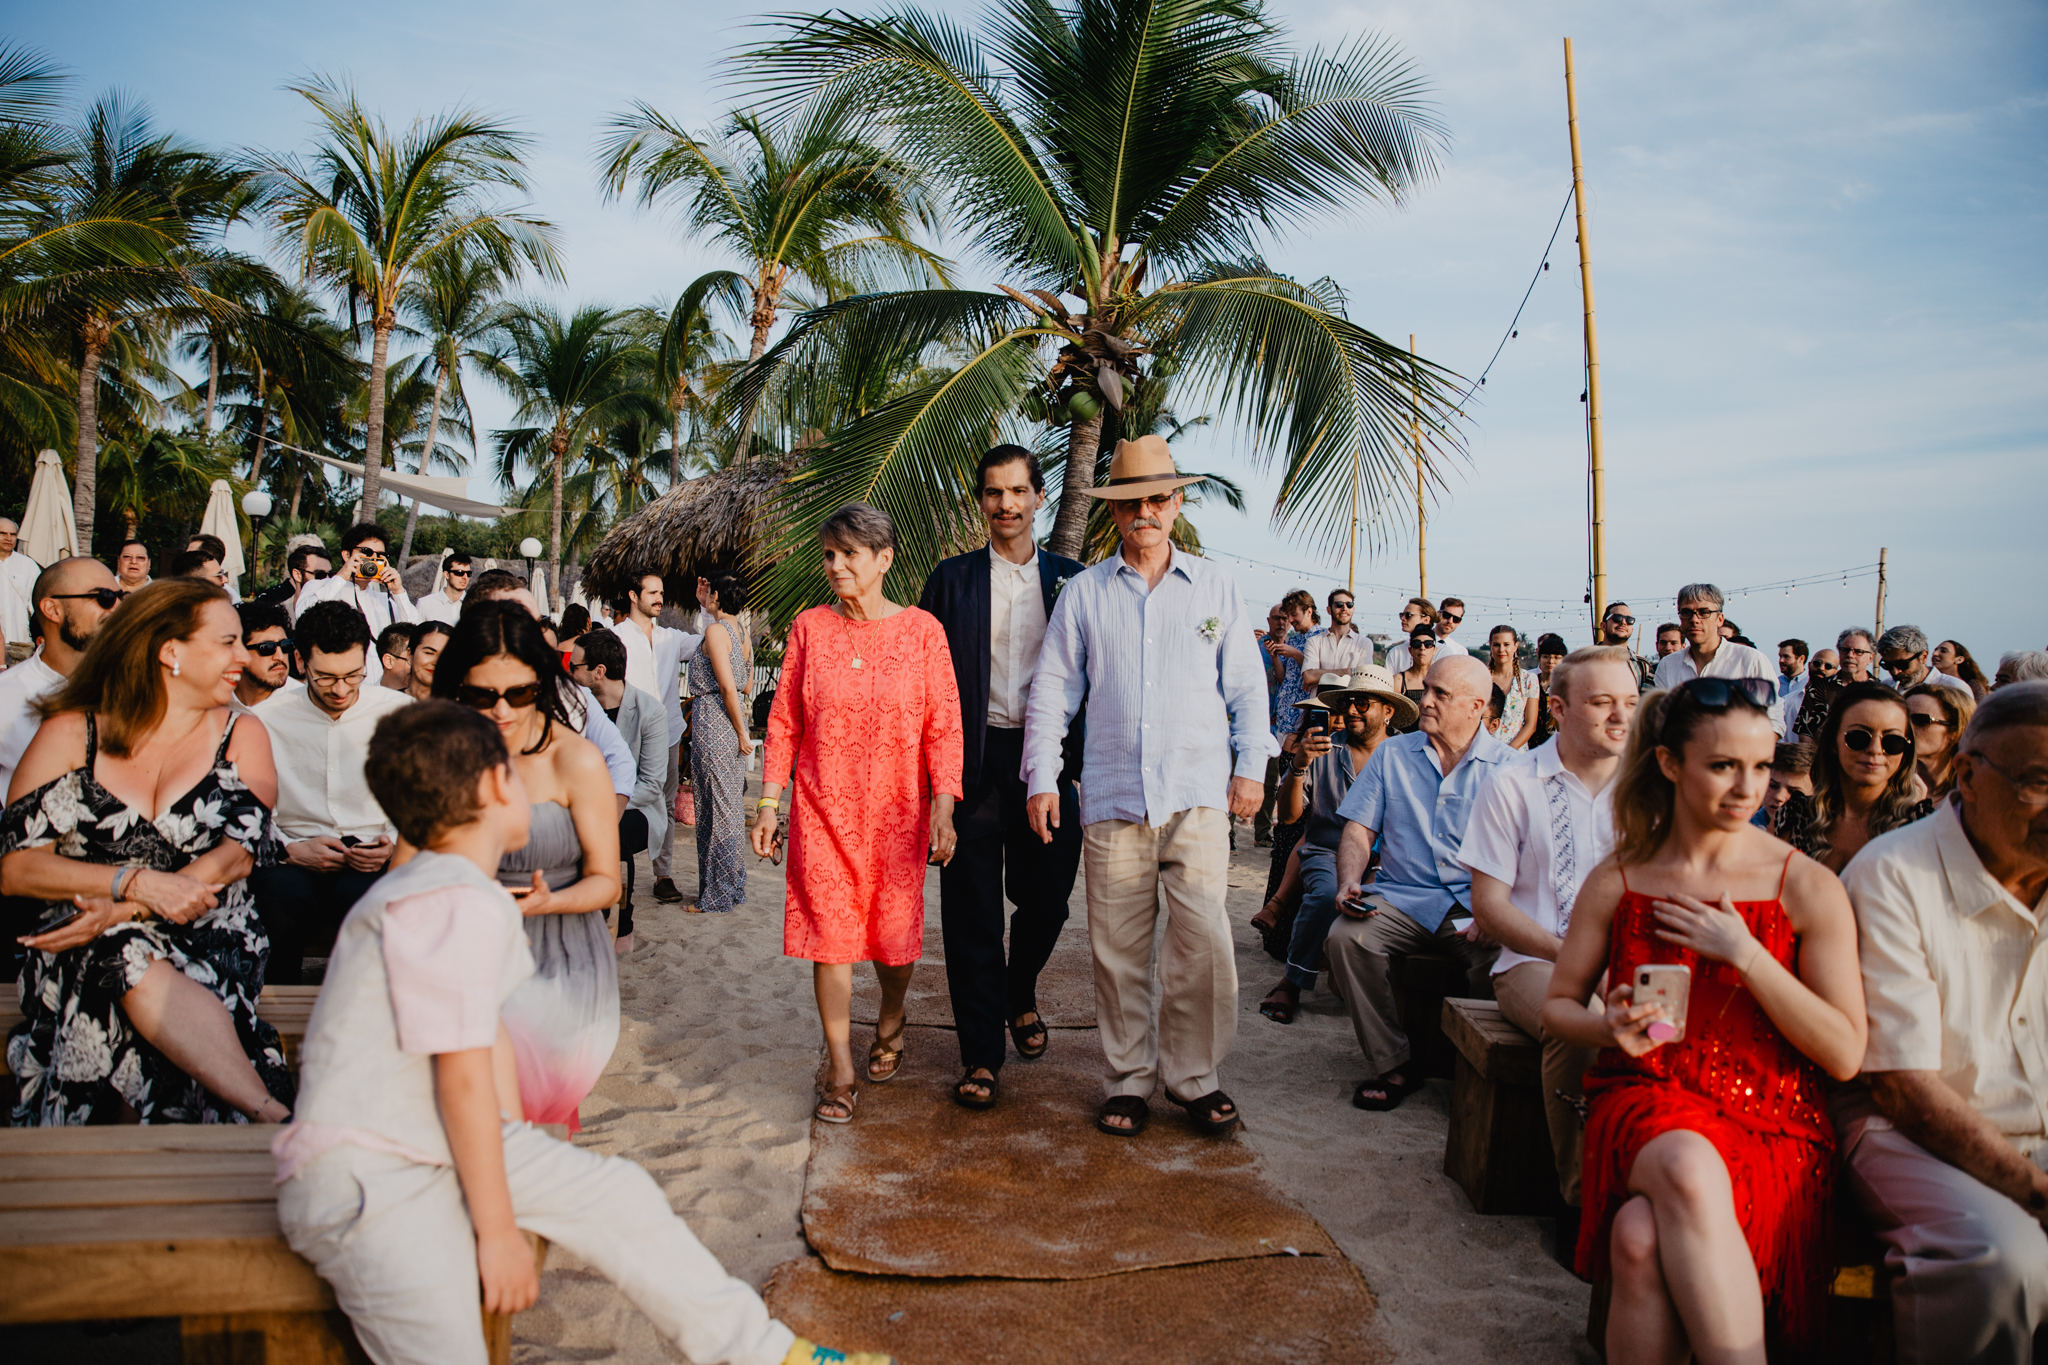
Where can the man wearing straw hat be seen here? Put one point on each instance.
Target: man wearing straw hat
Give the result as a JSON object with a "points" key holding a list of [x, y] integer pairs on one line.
{"points": [[1159, 644], [1366, 705]]}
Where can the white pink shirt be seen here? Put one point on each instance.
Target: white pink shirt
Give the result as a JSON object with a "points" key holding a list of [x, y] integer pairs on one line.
{"points": [[21, 687], [1537, 828]]}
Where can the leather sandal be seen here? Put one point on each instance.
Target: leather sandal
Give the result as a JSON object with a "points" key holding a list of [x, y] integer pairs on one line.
{"points": [[1391, 1093], [887, 1055], [1279, 1007], [967, 1099], [1123, 1107], [1198, 1111], [835, 1103], [1031, 1039]]}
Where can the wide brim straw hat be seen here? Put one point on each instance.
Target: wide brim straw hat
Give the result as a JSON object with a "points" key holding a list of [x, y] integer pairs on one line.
{"points": [[1370, 681], [1141, 468]]}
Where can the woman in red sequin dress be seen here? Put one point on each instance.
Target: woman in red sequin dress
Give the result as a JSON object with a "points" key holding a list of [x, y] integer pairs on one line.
{"points": [[1709, 1158], [866, 732]]}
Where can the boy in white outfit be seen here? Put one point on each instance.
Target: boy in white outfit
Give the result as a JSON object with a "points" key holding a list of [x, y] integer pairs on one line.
{"points": [[407, 1175]]}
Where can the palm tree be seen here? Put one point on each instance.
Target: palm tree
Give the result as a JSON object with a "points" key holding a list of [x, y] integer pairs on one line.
{"points": [[290, 363], [573, 378], [691, 364], [454, 306], [811, 204], [1128, 155], [372, 210]]}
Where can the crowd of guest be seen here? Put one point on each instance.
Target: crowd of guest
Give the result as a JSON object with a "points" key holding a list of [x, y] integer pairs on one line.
{"points": [[1773, 921]]}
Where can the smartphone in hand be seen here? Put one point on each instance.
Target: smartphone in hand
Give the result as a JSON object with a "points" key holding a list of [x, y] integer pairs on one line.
{"points": [[1669, 986]]}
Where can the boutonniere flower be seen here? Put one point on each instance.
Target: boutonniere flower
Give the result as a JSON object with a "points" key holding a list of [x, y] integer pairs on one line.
{"points": [[1058, 584], [1212, 630]]}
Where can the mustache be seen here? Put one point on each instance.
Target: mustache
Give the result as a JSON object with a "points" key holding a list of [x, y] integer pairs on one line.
{"points": [[1147, 522]]}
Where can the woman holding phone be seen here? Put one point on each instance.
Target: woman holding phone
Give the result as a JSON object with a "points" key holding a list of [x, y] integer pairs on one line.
{"points": [[1709, 1155]]}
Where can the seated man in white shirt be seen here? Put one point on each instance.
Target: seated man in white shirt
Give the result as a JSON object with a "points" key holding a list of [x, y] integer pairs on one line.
{"points": [[1945, 1135], [337, 839], [266, 634], [1544, 823], [367, 582], [1708, 655]]}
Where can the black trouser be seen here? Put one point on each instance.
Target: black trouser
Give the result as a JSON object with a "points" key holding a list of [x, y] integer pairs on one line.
{"points": [[995, 840], [632, 839], [301, 909]]}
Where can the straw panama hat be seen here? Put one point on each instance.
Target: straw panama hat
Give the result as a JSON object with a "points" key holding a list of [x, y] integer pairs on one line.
{"points": [[1141, 468], [1371, 682]]}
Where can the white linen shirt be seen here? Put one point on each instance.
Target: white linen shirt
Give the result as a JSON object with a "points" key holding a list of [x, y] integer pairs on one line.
{"points": [[1016, 633], [1729, 661], [379, 607], [1955, 976], [1175, 686], [655, 666], [1335, 653], [21, 687], [17, 584], [1536, 828], [438, 606], [284, 689], [320, 785]]}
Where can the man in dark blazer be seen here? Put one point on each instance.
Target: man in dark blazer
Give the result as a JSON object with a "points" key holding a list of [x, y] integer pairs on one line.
{"points": [[994, 604]]}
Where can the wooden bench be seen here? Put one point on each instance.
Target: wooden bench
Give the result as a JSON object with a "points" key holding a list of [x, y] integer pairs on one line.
{"points": [[285, 1008], [172, 1221], [1498, 1146], [1422, 983]]}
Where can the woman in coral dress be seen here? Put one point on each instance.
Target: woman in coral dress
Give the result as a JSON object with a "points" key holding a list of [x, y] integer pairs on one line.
{"points": [[866, 733], [1708, 1156]]}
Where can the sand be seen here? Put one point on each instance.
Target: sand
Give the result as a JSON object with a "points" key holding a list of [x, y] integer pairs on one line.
{"points": [[711, 1090]]}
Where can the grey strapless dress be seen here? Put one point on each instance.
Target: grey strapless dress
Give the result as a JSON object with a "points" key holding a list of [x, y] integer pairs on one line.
{"points": [[564, 1019]]}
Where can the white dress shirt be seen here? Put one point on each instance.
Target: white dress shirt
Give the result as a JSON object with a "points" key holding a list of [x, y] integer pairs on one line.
{"points": [[320, 785], [1016, 632], [655, 666], [1537, 828], [17, 584], [1729, 661], [285, 689], [379, 607], [439, 606], [21, 687], [1334, 653], [1955, 977]]}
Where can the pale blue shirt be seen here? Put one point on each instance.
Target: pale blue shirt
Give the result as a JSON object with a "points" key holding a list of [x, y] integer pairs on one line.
{"points": [[1420, 816], [1175, 687]]}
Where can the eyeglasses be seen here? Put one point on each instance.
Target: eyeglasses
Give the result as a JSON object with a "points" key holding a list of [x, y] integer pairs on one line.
{"points": [[484, 698], [1697, 613], [1133, 504], [1861, 739], [1921, 722], [107, 598], [2031, 791], [1619, 619], [270, 647], [337, 679]]}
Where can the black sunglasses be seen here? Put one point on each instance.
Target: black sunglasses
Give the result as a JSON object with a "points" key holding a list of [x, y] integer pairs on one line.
{"points": [[1926, 722], [270, 647], [1860, 739], [107, 598], [1454, 620], [1623, 620], [456, 573], [484, 698], [317, 573], [1718, 694]]}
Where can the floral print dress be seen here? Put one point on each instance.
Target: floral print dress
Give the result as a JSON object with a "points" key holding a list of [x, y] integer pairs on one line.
{"points": [[75, 1055]]}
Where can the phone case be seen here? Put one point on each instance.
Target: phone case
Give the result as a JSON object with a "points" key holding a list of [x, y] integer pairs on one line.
{"points": [[1669, 985]]}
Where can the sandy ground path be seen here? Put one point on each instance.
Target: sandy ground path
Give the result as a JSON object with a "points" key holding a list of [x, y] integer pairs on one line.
{"points": [[710, 1089]]}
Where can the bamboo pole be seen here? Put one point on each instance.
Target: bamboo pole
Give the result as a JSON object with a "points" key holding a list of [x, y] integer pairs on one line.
{"points": [[1593, 447], [1421, 516], [1882, 555]]}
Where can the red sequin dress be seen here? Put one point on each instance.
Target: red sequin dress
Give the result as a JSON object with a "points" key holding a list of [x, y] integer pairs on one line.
{"points": [[1737, 1082], [865, 727]]}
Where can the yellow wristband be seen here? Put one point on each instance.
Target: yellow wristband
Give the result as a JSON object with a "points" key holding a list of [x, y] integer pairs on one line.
{"points": [[769, 803]]}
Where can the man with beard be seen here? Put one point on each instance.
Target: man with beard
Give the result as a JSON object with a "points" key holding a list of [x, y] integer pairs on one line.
{"points": [[266, 633]]}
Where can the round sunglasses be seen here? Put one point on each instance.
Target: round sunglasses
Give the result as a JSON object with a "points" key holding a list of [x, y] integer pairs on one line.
{"points": [[1861, 739]]}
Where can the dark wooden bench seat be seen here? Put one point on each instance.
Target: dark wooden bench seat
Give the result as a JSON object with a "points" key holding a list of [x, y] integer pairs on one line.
{"points": [[1498, 1144]]}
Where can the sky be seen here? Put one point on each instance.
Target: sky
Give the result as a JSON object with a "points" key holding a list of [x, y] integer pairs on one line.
{"points": [[1816, 234]]}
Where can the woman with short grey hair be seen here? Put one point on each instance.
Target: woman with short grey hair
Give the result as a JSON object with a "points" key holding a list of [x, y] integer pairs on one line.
{"points": [[866, 734]]}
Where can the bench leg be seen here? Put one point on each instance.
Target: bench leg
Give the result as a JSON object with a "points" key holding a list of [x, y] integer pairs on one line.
{"points": [[270, 1339]]}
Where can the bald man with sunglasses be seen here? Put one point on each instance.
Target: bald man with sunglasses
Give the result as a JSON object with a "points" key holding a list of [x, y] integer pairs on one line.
{"points": [[70, 599]]}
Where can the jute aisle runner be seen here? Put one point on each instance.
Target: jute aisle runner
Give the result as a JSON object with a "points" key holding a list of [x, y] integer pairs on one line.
{"points": [[946, 1236]]}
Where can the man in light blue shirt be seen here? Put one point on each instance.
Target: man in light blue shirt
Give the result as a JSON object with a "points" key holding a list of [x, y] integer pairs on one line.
{"points": [[1414, 797], [1159, 644]]}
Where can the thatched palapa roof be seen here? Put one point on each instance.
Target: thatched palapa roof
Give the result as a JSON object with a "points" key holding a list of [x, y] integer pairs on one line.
{"points": [[710, 524]]}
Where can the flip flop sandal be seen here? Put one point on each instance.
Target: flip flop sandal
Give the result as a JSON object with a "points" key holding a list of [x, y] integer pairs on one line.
{"points": [[1198, 1111], [1280, 1011], [886, 1053], [968, 1100], [1035, 1029], [1391, 1095], [844, 1097], [1123, 1107]]}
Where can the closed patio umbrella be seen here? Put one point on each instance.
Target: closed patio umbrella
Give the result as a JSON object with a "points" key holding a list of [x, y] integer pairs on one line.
{"points": [[220, 521], [48, 530]]}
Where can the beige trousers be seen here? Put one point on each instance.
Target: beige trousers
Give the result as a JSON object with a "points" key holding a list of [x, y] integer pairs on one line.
{"points": [[1128, 865], [1361, 954], [1520, 990]]}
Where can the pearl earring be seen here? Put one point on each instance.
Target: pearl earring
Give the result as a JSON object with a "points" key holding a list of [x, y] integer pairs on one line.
{"points": [[174, 668]]}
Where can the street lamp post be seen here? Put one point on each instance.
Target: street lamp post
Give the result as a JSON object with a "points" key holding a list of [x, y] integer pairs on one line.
{"points": [[256, 506], [531, 549]]}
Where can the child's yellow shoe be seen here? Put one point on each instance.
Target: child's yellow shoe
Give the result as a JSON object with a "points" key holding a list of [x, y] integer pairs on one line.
{"points": [[810, 1353]]}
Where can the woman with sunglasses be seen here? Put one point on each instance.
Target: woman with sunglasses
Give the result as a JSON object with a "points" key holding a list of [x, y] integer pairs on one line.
{"points": [[1938, 714], [1951, 658], [564, 1020], [1709, 1157], [1519, 685], [1864, 779], [1422, 646]]}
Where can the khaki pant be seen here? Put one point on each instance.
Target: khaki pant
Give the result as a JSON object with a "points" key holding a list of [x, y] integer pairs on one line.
{"points": [[1362, 953], [1128, 865], [1520, 990], [662, 856]]}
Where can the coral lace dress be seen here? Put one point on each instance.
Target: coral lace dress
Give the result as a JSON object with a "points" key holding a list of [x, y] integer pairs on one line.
{"points": [[1736, 1081], [865, 727]]}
